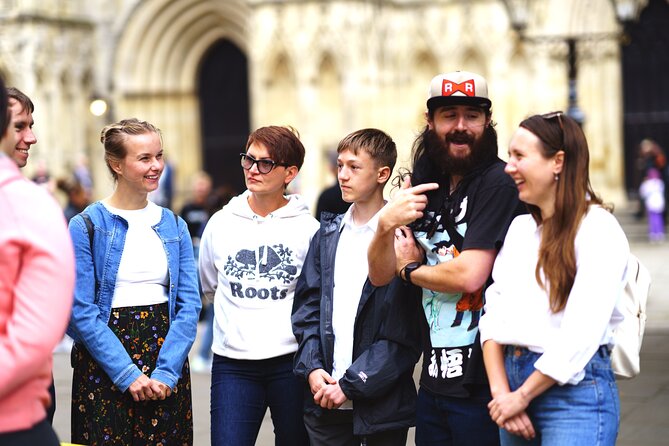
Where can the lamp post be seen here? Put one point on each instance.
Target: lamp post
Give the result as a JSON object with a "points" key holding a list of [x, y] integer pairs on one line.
{"points": [[519, 16]]}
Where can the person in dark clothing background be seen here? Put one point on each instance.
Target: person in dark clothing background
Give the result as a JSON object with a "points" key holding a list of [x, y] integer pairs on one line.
{"points": [[330, 199]]}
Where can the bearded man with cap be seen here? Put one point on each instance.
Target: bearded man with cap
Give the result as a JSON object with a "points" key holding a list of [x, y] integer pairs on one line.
{"points": [[442, 232]]}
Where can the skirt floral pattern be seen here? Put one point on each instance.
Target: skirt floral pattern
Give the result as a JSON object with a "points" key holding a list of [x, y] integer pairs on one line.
{"points": [[102, 415]]}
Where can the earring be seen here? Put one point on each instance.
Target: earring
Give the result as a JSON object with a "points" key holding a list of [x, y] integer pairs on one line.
{"points": [[557, 177]]}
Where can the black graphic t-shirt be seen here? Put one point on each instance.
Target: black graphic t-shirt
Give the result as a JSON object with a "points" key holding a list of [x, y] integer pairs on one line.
{"points": [[476, 216]]}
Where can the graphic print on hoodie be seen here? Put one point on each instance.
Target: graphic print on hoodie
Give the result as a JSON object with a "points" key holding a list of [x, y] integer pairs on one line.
{"points": [[249, 265], [276, 263]]}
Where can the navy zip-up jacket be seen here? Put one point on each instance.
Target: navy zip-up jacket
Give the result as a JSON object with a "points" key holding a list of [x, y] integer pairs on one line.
{"points": [[386, 343]]}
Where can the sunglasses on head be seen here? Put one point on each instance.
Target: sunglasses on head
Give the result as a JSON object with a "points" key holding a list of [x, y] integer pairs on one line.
{"points": [[264, 165], [556, 114]]}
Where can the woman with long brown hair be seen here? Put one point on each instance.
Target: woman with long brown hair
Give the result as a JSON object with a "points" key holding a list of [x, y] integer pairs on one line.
{"points": [[551, 311]]}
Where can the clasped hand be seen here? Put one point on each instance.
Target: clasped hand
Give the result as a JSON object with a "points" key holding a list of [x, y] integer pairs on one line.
{"points": [[508, 411], [145, 388], [326, 390]]}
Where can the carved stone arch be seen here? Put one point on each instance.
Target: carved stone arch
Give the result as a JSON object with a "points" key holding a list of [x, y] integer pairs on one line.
{"points": [[425, 65], [472, 60], [279, 67], [278, 86], [160, 47], [513, 96], [329, 116], [164, 40]]}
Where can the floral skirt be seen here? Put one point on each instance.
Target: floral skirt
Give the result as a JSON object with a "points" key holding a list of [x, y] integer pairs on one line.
{"points": [[102, 415]]}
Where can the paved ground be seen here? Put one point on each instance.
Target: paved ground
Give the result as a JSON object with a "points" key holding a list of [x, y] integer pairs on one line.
{"points": [[644, 400]]}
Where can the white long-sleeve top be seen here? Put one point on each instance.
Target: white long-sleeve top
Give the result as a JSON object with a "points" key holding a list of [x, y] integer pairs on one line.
{"points": [[517, 310]]}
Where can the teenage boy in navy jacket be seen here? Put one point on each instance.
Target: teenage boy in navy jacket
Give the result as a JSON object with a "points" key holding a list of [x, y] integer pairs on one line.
{"points": [[358, 343]]}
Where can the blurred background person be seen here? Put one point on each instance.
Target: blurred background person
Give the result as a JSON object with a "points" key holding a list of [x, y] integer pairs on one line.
{"points": [[82, 175], [651, 156], [196, 213], [36, 284], [164, 194], [330, 199], [77, 198], [136, 304], [42, 176], [651, 192]]}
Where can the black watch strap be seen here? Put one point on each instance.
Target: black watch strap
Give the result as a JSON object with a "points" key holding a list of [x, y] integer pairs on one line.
{"points": [[409, 268]]}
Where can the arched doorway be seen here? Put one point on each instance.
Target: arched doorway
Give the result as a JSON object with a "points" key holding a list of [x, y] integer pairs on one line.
{"points": [[224, 112], [645, 64]]}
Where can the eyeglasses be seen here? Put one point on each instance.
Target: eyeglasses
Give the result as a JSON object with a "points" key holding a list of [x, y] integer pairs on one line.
{"points": [[264, 166]]}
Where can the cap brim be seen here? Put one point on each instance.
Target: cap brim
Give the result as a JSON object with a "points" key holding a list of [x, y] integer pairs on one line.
{"points": [[440, 101]]}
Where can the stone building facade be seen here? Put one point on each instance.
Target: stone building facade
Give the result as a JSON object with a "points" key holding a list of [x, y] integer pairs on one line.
{"points": [[326, 67]]}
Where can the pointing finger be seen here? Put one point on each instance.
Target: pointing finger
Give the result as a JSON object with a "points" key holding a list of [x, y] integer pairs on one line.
{"points": [[422, 188]]}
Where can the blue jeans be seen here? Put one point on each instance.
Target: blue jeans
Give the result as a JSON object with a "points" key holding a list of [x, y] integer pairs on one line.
{"points": [[208, 335], [585, 414], [446, 421], [241, 392]]}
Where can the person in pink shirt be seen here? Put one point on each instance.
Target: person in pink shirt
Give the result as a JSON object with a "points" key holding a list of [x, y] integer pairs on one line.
{"points": [[36, 289]]}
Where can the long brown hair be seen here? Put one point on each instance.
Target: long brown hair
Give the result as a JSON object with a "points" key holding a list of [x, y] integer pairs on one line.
{"points": [[574, 194]]}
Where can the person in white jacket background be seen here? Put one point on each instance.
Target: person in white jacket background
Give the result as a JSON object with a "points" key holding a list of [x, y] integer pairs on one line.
{"points": [[251, 254]]}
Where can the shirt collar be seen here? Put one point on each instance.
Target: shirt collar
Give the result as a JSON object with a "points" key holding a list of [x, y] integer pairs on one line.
{"points": [[348, 220]]}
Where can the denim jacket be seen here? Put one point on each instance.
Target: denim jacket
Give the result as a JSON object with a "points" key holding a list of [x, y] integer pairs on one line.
{"points": [[94, 290]]}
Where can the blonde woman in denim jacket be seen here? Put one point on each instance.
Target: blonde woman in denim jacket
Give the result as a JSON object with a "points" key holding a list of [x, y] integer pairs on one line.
{"points": [[136, 304]]}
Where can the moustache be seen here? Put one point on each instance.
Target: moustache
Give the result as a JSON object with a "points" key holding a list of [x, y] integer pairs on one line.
{"points": [[458, 137]]}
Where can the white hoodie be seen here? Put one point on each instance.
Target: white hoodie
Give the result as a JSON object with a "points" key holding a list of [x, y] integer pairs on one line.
{"points": [[249, 267]]}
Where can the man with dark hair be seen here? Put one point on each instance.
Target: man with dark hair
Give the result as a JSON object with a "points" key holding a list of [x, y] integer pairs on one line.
{"points": [[442, 232], [22, 111]]}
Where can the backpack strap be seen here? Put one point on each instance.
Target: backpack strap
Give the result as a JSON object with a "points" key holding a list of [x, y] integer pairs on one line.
{"points": [[89, 228]]}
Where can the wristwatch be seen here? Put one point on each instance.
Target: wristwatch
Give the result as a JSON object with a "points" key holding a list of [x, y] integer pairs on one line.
{"points": [[408, 269]]}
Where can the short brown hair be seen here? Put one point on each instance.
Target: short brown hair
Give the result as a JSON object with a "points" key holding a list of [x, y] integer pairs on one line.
{"points": [[21, 98], [114, 136], [377, 144], [283, 144]]}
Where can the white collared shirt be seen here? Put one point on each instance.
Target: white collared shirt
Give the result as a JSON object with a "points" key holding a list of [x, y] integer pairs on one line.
{"points": [[350, 274]]}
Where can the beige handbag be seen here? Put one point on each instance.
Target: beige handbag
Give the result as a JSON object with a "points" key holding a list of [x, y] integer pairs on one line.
{"points": [[629, 334]]}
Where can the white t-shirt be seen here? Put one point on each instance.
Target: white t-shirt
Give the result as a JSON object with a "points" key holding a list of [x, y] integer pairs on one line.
{"points": [[142, 277]]}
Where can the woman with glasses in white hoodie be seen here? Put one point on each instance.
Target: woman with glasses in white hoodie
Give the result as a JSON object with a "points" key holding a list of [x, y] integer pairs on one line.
{"points": [[251, 254]]}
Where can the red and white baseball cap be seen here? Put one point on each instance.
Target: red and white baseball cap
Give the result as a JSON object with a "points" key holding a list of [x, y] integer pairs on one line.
{"points": [[458, 88]]}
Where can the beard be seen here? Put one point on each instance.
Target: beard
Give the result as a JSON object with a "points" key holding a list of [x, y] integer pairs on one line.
{"points": [[482, 150]]}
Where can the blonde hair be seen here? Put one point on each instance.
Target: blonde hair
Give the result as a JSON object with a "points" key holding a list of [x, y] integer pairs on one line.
{"points": [[114, 136]]}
